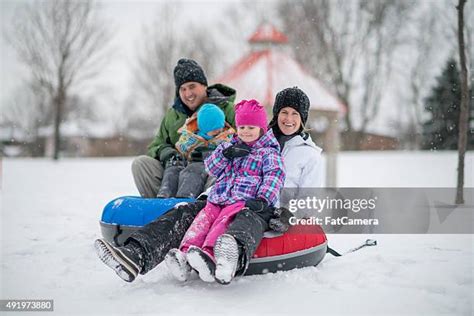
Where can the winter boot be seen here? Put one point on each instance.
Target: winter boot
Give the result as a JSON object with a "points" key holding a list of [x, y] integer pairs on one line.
{"points": [[169, 183], [126, 261], [177, 264], [202, 263], [227, 254]]}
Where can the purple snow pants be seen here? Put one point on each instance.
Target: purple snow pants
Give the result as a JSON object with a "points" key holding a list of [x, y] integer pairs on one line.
{"points": [[211, 222]]}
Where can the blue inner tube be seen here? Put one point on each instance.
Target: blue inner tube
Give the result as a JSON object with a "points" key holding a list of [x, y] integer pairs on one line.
{"points": [[124, 215], [137, 211]]}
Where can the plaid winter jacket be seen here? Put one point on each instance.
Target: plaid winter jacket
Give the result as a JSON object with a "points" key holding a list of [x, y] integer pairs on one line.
{"points": [[260, 174], [194, 147]]}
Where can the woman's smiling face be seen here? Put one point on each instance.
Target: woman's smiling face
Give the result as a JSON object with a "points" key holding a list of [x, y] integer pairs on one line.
{"points": [[289, 120]]}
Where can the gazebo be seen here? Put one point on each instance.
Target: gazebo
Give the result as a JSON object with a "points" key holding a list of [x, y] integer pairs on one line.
{"points": [[269, 68]]}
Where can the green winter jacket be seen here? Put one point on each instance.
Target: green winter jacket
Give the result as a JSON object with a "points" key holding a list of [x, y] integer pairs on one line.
{"points": [[163, 146]]}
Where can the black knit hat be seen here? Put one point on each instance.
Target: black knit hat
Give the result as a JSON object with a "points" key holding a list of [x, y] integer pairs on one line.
{"points": [[188, 70], [294, 98]]}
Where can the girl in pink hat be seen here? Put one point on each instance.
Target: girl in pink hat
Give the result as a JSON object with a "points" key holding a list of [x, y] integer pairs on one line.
{"points": [[249, 171]]}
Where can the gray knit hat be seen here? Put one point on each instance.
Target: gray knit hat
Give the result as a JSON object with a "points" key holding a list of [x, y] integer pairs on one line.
{"points": [[188, 70]]}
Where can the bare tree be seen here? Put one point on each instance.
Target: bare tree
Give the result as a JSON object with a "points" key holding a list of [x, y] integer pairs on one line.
{"points": [[422, 57], [349, 45], [25, 112], [157, 53], [463, 117], [448, 19], [469, 30], [62, 43], [416, 65], [163, 43]]}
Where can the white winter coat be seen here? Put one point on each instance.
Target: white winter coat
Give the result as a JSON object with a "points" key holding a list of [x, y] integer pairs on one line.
{"points": [[303, 163], [303, 166]]}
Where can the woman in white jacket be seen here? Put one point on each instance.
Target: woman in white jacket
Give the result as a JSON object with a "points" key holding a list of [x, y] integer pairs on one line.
{"points": [[303, 166], [303, 162]]}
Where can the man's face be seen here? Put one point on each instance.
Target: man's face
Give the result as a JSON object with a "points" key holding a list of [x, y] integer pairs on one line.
{"points": [[193, 94]]}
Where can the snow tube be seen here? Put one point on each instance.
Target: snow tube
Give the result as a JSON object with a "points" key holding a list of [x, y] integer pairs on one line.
{"points": [[124, 215], [300, 246]]}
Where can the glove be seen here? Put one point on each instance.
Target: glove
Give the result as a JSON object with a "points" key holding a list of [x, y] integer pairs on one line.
{"points": [[202, 197], [281, 220], [261, 208], [166, 154], [196, 156], [174, 160], [236, 151], [256, 205]]}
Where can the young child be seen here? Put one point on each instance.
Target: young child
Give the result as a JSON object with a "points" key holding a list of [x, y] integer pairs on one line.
{"points": [[249, 167], [200, 135]]}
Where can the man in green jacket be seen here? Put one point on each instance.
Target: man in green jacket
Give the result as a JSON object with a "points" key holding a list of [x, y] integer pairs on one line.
{"points": [[191, 92]]}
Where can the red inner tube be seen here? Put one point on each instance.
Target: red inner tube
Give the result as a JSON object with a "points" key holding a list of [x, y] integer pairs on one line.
{"points": [[298, 237]]}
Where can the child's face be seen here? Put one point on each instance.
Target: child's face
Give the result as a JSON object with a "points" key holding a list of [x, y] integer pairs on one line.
{"points": [[215, 132], [248, 133]]}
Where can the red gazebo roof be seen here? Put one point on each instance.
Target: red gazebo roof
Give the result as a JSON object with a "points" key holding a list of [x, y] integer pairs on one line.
{"points": [[261, 74], [267, 33]]}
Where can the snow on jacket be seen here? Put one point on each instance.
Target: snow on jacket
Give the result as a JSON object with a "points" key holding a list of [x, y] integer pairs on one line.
{"points": [[194, 147], [162, 146], [260, 174], [303, 163]]}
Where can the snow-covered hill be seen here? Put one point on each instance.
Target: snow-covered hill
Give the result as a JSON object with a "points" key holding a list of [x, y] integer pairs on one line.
{"points": [[49, 220]]}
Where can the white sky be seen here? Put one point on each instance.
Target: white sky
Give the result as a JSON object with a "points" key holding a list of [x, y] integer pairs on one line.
{"points": [[127, 19]]}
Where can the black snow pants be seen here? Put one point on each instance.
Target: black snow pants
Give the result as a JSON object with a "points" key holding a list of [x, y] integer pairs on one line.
{"points": [[167, 231], [164, 233], [248, 228]]}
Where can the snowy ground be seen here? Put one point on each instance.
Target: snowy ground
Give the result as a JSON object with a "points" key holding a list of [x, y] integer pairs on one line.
{"points": [[49, 220]]}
